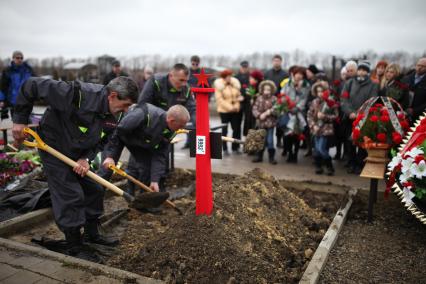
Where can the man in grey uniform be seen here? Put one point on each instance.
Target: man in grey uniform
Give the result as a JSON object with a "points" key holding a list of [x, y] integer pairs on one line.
{"points": [[146, 131], [163, 91], [75, 123]]}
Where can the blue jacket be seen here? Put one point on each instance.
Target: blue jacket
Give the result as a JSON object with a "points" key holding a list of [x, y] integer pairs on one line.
{"points": [[12, 79]]}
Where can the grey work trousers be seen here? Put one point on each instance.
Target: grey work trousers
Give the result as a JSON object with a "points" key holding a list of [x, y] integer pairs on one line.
{"points": [[75, 199]]}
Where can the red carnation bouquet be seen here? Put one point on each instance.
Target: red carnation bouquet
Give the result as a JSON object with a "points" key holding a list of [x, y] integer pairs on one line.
{"points": [[330, 102], [380, 123], [283, 104]]}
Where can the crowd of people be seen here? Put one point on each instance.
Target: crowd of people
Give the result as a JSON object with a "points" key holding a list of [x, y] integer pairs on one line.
{"points": [[294, 106], [302, 108]]}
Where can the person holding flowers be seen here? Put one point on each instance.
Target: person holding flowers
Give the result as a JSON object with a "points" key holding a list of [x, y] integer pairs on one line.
{"points": [[293, 122], [263, 111], [255, 77], [322, 113]]}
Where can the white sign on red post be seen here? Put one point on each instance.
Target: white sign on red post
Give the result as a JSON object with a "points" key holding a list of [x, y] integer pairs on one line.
{"points": [[201, 145]]}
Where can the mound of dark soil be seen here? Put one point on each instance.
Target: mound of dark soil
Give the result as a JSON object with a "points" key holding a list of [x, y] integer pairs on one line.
{"points": [[259, 233]]}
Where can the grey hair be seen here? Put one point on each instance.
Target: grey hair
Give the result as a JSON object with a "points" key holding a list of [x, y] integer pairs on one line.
{"points": [[179, 112], [351, 63], [148, 68], [125, 87]]}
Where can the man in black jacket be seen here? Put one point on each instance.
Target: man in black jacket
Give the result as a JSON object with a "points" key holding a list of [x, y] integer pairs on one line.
{"points": [[417, 86], [75, 123], [243, 77], [115, 72], [195, 69], [276, 74], [146, 131]]}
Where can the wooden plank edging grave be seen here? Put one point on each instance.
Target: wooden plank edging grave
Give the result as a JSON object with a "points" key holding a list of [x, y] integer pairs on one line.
{"points": [[319, 259]]}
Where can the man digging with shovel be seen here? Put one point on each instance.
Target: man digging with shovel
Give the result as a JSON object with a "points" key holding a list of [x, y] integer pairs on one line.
{"points": [[147, 131], [75, 123]]}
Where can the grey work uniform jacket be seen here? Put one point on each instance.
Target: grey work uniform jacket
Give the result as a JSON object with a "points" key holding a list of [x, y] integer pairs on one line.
{"points": [[145, 133], [76, 122]]}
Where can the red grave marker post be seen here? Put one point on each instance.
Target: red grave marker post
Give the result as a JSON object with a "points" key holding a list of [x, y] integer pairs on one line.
{"points": [[203, 176]]}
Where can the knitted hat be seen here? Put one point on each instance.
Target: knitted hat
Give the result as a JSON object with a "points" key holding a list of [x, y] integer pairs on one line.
{"points": [[364, 65], [257, 74], [269, 83], [116, 63], [313, 68]]}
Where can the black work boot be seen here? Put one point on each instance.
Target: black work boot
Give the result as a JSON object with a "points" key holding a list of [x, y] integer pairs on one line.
{"points": [[329, 166], [73, 237], [75, 245], [318, 165], [259, 157], [271, 153], [92, 234]]}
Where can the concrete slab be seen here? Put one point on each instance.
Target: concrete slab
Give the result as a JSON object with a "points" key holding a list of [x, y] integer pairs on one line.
{"points": [[6, 271], [49, 281], [31, 261], [24, 276], [48, 267], [73, 275], [25, 260]]}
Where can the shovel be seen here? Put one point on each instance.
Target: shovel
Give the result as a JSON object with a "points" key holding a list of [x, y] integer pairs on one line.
{"points": [[135, 202], [122, 173]]}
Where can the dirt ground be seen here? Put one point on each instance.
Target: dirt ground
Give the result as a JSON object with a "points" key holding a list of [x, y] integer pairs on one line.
{"points": [[259, 233], [392, 249]]}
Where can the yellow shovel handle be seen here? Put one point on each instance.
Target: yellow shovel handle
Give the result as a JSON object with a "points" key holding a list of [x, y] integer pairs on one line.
{"points": [[43, 146], [180, 131], [38, 143], [117, 170]]}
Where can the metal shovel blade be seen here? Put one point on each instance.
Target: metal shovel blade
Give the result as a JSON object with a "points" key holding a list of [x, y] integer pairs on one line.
{"points": [[147, 200]]}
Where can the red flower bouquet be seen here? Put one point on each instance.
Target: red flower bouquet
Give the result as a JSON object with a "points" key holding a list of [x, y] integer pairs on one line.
{"points": [[283, 104]]}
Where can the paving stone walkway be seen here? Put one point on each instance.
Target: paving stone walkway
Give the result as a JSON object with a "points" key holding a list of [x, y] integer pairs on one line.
{"points": [[26, 267]]}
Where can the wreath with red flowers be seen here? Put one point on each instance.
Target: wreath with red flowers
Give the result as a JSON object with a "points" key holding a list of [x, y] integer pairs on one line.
{"points": [[380, 122]]}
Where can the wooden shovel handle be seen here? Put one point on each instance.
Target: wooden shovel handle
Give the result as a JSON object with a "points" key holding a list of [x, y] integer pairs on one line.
{"points": [[224, 138], [233, 140], [43, 146]]}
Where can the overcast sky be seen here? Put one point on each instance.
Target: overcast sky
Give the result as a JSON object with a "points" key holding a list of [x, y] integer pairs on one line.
{"points": [[82, 28]]}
